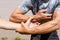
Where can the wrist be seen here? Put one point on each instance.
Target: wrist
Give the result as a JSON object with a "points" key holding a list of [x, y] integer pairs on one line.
{"points": [[27, 17], [37, 17]]}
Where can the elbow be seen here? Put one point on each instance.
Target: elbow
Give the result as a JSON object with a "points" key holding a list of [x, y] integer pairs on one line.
{"points": [[13, 18]]}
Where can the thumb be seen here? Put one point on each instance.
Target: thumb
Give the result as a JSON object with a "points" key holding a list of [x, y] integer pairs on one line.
{"points": [[28, 21], [23, 24], [43, 10], [22, 27]]}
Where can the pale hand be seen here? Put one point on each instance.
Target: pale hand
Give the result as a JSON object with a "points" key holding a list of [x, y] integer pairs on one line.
{"points": [[28, 26]]}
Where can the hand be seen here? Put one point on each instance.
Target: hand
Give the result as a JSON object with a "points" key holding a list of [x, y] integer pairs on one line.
{"points": [[18, 16], [30, 24], [27, 27], [24, 26], [27, 30], [41, 15]]}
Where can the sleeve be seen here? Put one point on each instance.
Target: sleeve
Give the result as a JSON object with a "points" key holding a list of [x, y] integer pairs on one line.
{"points": [[58, 6], [24, 6], [51, 6]]}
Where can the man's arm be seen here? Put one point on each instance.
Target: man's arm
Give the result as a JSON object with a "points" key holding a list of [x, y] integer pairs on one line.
{"points": [[48, 26], [45, 27], [19, 13], [18, 16], [40, 15]]}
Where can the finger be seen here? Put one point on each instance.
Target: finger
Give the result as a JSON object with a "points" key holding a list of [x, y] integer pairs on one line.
{"points": [[32, 25], [34, 20], [37, 23], [23, 24], [48, 15], [43, 10], [28, 21]]}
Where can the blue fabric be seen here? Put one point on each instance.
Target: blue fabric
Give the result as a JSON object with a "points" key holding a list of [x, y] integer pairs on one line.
{"points": [[50, 5]]}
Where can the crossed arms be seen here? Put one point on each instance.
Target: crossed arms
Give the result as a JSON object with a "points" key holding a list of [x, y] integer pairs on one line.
{"points": [[41, 29]]}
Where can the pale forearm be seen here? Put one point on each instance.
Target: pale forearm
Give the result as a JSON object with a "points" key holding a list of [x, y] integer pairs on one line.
{"points": [[8, 25]]}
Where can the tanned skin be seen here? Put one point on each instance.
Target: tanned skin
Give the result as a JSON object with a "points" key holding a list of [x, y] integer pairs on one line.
{"points": [[45, 27], [19, 16]]}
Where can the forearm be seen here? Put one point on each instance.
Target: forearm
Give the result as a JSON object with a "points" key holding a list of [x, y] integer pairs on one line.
{"points": [[43, 28], [41, 15], [19, 18], [8, 25], [47, 27]]}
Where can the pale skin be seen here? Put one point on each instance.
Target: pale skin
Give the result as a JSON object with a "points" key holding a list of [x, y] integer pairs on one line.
{"points": [[12, 26], [8, 25]]}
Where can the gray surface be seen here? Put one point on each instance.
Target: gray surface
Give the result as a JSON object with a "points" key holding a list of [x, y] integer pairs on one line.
{"points": [[6, 8]]}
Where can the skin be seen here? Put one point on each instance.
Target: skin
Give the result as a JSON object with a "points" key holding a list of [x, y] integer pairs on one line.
{"points": [[51, 25], [19, 16], [8, 25], [13, 26], [4, 24], [45, 27], [36, 29]]}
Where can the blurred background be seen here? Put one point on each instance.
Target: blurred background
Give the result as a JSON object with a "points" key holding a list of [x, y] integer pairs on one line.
{"points": [[6, 8]]}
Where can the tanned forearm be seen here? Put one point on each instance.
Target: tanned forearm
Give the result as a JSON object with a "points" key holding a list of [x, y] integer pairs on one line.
{"points": [[18, 16], [43, 28], [22, 18], [46, 27]]}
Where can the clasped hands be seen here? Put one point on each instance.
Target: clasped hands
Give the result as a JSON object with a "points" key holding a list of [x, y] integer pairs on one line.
{"points": [[33, 22], [28, 26]]}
